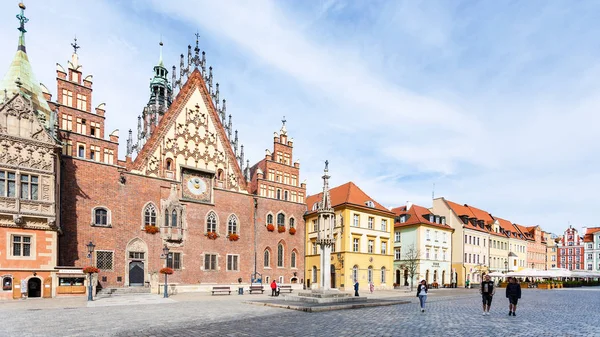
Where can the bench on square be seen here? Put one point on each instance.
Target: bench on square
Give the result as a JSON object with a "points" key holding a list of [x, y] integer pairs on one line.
{"points": [[221, 290], [286, 288], [257, 288]]}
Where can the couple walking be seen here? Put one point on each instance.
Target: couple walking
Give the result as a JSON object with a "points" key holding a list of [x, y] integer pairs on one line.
{"points": [[513, 293], [487, 290]]}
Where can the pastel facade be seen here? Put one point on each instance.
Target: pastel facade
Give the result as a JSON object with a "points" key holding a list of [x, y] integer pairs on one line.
{"points": [[570, 253], [363, 237], [417, 228], [591, 240]]}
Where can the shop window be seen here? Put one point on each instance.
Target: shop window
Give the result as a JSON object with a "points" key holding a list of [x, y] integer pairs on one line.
{"points": [[7, 283]]}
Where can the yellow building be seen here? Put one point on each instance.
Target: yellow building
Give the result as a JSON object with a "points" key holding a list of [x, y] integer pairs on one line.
{"points": [[363, 240]]}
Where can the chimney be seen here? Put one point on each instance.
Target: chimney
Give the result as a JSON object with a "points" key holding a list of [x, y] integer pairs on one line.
{"points": [[408, 205]]}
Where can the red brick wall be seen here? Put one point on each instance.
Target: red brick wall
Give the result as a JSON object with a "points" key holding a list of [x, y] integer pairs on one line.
{"points": [[86, 185]]}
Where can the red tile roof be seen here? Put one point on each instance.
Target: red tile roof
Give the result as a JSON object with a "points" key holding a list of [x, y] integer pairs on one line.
{"points": [[416, 215], [347, 193], [589, 234]]}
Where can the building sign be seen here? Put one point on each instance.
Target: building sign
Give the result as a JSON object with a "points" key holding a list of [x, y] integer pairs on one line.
{"points": [[436, 264], [70, 271]]}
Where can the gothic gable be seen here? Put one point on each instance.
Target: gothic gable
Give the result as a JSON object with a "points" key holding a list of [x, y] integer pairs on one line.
{"points": [[17, 118], [190, 135]]}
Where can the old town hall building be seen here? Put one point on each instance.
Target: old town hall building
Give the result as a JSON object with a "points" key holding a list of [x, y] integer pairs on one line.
{"points": [[183, 184]]}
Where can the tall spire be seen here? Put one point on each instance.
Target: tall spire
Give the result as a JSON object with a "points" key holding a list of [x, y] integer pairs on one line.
{"points": [[19, 78], [160, 58], [23, 20], [326, 201]]}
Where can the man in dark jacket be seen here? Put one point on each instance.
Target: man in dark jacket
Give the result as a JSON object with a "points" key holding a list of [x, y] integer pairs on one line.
{"points": [[513, 293], [356, 288]]}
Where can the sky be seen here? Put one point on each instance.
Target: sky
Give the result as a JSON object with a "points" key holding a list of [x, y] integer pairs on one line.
{"points": [[486, 103]]}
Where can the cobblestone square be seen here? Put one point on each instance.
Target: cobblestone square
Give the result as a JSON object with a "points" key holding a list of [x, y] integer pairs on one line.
{"points": [[454, 312]]}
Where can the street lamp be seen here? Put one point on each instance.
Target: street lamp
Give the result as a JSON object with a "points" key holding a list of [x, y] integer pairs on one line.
{"points": [[165, 255], [506, 266], [90, 248]]}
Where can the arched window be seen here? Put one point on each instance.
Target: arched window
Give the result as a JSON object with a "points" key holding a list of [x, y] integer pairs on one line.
{"points": [[7, 283], [169, 164], [314, 274], [370, 275], [166, 224], [280, 255], [293, 260], [150, 215], [267, 258], [211, 222], [278, 194], [232, 227], [280, 219], [292, 223], [269, 219], [174, 218], [382, 275], [355, 273], [101, 217], [219, 174], [285, 195]]}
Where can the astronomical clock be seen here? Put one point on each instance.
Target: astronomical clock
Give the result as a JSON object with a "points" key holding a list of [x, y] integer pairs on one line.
{"points": [[197, 185]]}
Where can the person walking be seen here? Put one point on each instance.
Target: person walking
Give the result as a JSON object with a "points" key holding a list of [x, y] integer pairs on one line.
{"points": [[371, 287], [487, 291], [356, 288], [273, 288], [422, 294], [513, 293], [467, 284]]}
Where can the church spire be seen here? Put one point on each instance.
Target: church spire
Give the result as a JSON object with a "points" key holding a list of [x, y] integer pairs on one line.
{"points": [[160, 58], [19, 78], [326, 201]]}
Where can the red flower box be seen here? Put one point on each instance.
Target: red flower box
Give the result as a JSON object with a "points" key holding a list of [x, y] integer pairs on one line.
{"points": [[270, 227], [212, 235], [151, 229], [292, 231], [234, 237], [281, 229], [90, 270], [166, 270]]}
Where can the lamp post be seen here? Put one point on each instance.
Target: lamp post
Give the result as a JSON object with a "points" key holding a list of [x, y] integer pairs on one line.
{"points": [[166, 257], [506, 266], [90, 248]]}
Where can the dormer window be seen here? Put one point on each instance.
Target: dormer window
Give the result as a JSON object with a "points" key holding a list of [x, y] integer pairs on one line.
{"points": [[370, 204], [403, 218], [443, 219], [315, 206]]}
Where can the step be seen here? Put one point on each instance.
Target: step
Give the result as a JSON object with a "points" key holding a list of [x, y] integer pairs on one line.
{"points": [[110, 292]]}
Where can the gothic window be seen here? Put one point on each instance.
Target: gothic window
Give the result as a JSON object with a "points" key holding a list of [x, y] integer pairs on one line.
{"points": [[278, 194], [174, 218], [293, 260], [267, 259], [280, 219], [285, 195], [269, 219], [232, 226], [166, 224], [101, 217], [211, 222], [219, 174], [169, 164], [292, 223], [150, 215], [280, 255]]}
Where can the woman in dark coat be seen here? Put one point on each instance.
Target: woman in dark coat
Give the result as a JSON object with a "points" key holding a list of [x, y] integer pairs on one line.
{"points": [[513, 293], [422, 294]]}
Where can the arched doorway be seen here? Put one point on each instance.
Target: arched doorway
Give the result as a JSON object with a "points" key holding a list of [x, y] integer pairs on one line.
{"points": [[34, 287], [434, 276], [443, 277], [427, 276], [332, 276], [136, 262], [397, 277], [406, 277]]}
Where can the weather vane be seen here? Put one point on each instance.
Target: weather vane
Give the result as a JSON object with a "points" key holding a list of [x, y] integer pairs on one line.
{"points": [[75, 45], [283, 120]]}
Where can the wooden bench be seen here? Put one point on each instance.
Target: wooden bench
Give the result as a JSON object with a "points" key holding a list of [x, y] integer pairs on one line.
{"points": [[257, 288], [286, 287], [221, 290]]}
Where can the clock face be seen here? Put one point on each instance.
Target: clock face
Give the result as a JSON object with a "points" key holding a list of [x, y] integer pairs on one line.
{"points": [[196, 185]]}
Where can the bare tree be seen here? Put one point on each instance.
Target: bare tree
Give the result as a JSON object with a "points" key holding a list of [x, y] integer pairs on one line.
{"points": [[411, 261]]}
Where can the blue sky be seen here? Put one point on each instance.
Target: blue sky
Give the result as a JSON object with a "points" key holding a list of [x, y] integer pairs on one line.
{"points": [[494, 102]]}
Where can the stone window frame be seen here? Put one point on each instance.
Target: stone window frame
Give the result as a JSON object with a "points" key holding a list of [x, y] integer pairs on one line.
{"points": [[292, 222], [237, 262], [79, 147], [171, 257], [267, 219], [32, 246], [383, 278], [282, 223], [108, 217], [216, 266], [148, 205], [281, 246], [370, 274], [267, 261], [216, 217], [371, 222], [294, 259], [315, 274], [237, 226]]}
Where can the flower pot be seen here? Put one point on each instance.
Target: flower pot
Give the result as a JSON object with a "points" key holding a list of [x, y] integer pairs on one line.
{"points": [[270, 227]]}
